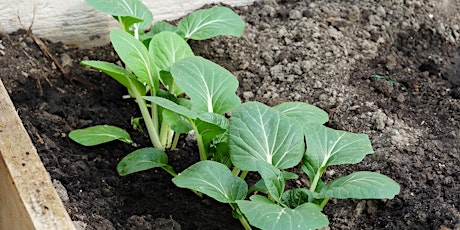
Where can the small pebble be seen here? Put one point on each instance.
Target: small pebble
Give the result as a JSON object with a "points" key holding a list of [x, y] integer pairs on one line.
{"points": [[295, 14]]}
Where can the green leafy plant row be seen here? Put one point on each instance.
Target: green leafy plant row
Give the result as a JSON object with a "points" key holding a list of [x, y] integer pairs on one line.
{"points": [[178, 92]]}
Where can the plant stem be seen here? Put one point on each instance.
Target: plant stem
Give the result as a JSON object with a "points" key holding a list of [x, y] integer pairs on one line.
{"points": [[150, 125], [201, 147], [245, 223], [154, 118], [315, 181], [236, 171], [176, 139], [199, 141], [324, 202], [165, 134], [243, 174], [241, 217]]}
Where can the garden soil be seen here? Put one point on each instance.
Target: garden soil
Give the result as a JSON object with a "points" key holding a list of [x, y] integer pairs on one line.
{"points": [[389, 69]]}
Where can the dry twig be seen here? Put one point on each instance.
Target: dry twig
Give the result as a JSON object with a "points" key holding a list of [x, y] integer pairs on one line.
{"points": [[41, 44]]}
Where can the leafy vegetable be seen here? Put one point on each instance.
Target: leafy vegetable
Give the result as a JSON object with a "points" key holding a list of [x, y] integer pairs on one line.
{"points": [[272, 216], [260, 133], [213, 179], [211, 87], [99, 134], [178, 92], [208, 23], [142, 159], [128, 9]]}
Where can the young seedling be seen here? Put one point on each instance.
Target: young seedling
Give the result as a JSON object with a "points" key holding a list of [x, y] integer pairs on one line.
{"points": [[160, 67], [269, 141], [148, 58]]}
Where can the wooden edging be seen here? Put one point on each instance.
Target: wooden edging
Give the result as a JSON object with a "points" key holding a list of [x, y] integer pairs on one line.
{"points": [[28, 199]]}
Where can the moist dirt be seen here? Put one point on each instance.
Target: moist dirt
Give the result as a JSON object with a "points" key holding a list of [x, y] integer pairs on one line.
{"points": [[389, 69]]}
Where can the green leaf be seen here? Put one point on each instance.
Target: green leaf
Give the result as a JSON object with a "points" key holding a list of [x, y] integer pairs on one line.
{"points": [[208, 23], [136, 123], [273, 180], [259, 198], [135, 56], [207, 130], [166, 48], [124, 77], [360, 185], [128, 21], [99, 134], [170, 105], [176, 122], [211, 87], [161, 26], [289, 175], [142, 159], [132, 8], [296, 197], [168, 81], [221, 154], [305, 113], [260, 133], [213, 179], [259, 186], [326, 146], [265, 215], [214, 118]]}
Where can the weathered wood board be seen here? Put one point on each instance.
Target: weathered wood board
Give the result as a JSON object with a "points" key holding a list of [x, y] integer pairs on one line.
{"points": [[76, 23], [28, 199]]}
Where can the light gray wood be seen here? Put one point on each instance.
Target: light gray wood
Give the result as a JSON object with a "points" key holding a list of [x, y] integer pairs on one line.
{"points": [[28, 199], [77, 24]]}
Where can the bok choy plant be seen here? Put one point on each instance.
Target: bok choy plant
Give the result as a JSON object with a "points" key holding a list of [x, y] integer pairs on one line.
{"points": [[148, 58], [269, 141], [178, 92]]}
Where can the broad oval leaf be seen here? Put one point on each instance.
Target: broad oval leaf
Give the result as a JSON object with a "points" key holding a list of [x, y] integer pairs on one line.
{"points": [[135, 56], [166, 48], [326, 146], [360, 185], [260, 133], [208, 23], [265, 215], [211, 87], [213, 179], [304, 113], [99, 134], [132, 8], [118, 73], [142, 159]]}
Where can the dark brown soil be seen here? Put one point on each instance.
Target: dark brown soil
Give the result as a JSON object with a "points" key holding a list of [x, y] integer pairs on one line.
{"points": [[291, 50]]}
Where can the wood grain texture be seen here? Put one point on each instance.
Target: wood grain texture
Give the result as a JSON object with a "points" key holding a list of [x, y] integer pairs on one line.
{"points": [[77, 24], [28, 199]]}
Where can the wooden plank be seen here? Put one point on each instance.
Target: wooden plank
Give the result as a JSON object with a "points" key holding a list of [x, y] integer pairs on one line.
{"points": [[76, 23], [28, 199]]}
